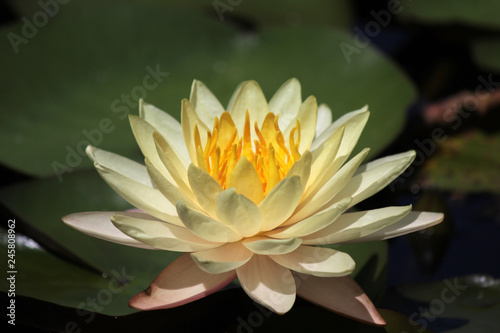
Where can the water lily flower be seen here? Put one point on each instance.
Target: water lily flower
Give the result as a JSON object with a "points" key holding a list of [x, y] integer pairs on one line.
{"points": [[252, 192]]}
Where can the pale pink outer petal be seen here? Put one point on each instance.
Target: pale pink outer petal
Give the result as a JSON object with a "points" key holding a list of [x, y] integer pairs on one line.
{"points": [[412, 222], [180, 283], [99, 225], [339, 294], [268, 283]]}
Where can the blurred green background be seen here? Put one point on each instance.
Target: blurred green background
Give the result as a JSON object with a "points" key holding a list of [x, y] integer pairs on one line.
{"points": [[73, 70]]}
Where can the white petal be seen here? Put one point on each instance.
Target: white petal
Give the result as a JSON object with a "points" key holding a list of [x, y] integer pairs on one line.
{"points": [[354, 128], [246, 181], [190, 120], [222, 259], [204, 226], [268, 283], [171, 192], [98, 224], [168, 127], [317, 261], [355, 225], [322, 199], [143, 132], [286, 102], [324, 119], [250, 97], [206, 105], [280, 203], [146, 198], [233, 97], [174, 165], [180, 283], [267, 246], [412, 222], [205, 188], [374, 176], [312, 223], [325, 164], [120, 164], [159, 234], [302, 168], [238, 212], [307, 119]]}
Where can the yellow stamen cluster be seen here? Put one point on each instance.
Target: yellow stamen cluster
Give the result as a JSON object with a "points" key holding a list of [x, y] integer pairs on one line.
{"points": [[268, 153]]}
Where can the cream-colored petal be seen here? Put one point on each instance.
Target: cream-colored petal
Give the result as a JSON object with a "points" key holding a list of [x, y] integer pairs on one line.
{"points": [[168, 127], [339, 294], [246, 181], [307, 119], [324, 119], [280, 203], [206, 105], [205, 188], [352, 226], [119, 164], [171, 192], [302, 168], [312, 223], [351, 125], [172, 162], [180, 283], [412, 222], [190, 120], [159, 234], [268, 246], [222, 259], [143, 132], [353, 128], [324, 164], [250, 97], [235, 94], [286, 102], [98, 224], [374, 176], [322, 199], [204, 226], [355, 121], [144, 197], [268, 283], [238, 212], [317, 261]]}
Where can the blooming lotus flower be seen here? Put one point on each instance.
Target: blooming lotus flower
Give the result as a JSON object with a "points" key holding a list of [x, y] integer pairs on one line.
{"points": [[251, 192]]}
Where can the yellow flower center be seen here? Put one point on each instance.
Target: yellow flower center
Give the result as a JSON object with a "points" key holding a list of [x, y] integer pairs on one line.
{"points": [[268, 152]]}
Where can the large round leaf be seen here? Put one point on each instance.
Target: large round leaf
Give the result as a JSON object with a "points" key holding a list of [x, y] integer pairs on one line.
{"points": [[75, 80], [473, 299], [481, 13]]}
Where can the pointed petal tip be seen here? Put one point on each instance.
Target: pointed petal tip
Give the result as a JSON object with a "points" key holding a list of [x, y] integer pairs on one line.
{"points": [[349, 301], [89, 150]]}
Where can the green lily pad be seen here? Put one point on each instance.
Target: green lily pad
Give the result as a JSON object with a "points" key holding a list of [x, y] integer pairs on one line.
{"points": [[73, 80], [480, 13], [475, 298], [257, 12], [465, 163], [486, 53], [42, 203], [43, 276]]}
